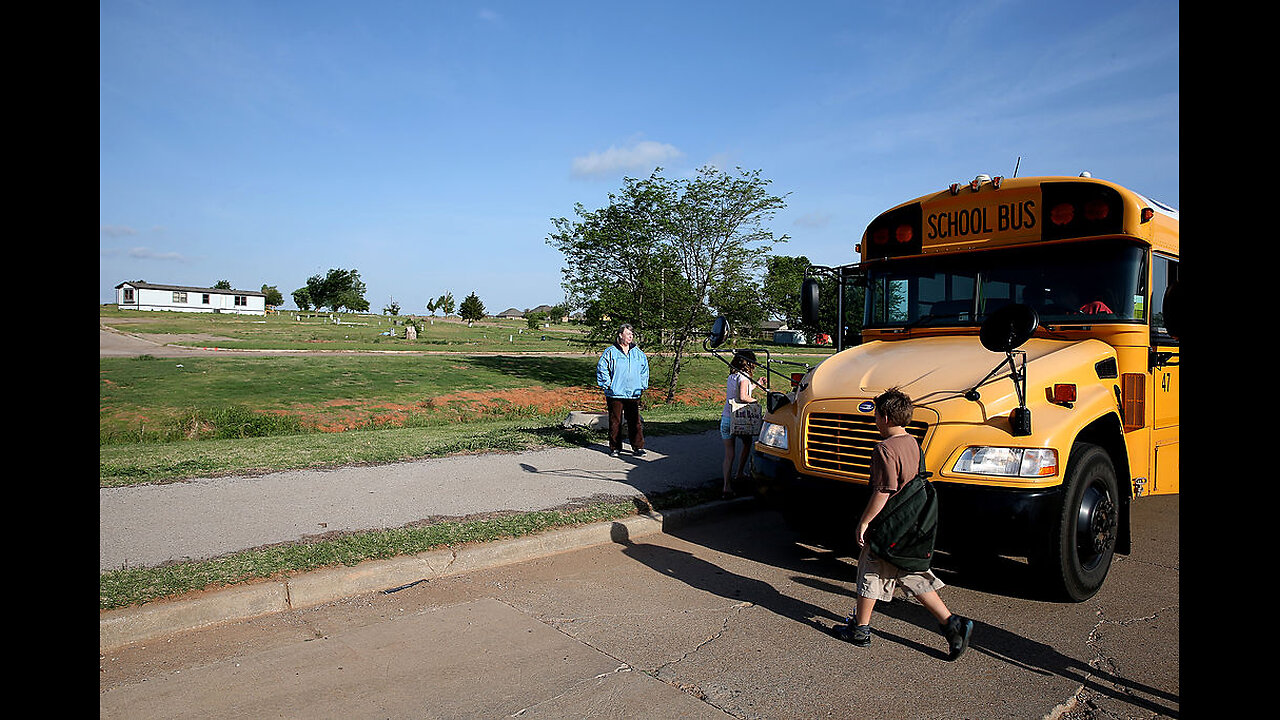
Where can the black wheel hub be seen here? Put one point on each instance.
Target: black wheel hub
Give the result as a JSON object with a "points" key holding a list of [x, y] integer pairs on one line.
{"points": [[1096, 526]]}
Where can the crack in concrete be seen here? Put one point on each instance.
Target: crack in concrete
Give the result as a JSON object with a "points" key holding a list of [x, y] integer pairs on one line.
{"points": [[724, 625], [1083, 705], [656, 673], [620, 669]]}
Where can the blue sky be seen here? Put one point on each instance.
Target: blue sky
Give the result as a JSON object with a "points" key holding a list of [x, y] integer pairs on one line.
{"points": [[428, 144]]}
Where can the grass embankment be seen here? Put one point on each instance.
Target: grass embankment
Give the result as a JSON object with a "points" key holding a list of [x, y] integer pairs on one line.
{"points": [[170, 419], [166, 420], [122, 588]]}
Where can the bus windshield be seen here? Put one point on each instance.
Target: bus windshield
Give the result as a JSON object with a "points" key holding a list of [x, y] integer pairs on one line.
{"points": [[1067, 283]]}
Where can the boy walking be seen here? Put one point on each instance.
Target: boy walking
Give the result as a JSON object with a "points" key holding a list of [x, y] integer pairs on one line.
{"points": [[895, 461]]}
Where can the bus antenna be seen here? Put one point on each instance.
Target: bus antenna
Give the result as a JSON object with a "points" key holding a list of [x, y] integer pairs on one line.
{"points": [[1015, 166]]}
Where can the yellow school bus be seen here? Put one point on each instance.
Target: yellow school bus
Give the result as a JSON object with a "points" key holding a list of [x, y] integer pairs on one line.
{"points": [[1026, 317]]}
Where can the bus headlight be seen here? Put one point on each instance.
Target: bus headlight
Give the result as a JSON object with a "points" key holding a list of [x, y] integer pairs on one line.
{"points": [[773, 435], [1009, 461]]}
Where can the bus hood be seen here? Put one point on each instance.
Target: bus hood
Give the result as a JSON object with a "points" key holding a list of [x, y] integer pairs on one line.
{"points": [[937, 371]]}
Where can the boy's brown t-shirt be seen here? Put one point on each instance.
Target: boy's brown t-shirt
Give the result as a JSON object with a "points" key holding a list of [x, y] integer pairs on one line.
{"points": [[894, 461]]}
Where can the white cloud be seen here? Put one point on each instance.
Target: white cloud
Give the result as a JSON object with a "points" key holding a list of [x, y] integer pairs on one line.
{"points": [[813, 220], [644, 154], [116, 230], [142, 253]]}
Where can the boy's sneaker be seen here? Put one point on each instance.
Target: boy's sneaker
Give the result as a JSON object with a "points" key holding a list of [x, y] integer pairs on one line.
{"points": [[957, 631], [859, 635]]}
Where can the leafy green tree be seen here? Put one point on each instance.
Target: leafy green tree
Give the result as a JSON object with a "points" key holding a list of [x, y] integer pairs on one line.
{"points": [[392, 308], [781, 292], [302, 298], [472, 309], [338, 289], [740, 303], [656, 254], [854, 298], [446, 303], [274, 298], [222, 285], [431, 306]]}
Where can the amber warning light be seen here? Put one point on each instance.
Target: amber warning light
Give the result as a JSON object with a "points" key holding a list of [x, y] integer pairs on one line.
{"points": [[1062, 394]]}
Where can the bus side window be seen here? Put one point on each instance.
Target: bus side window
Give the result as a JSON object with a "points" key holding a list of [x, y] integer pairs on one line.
{"points": [[1164, 272]]}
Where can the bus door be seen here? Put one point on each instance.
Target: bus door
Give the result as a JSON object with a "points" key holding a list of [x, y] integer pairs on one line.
{"points": [[1164, 369]]}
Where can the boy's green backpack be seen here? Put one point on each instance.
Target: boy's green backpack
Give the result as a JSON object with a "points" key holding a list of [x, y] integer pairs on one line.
{"points": [[903, 532]]}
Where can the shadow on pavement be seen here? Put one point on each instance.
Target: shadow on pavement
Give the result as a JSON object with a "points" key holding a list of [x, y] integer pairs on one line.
{"points": [[774, 543]]}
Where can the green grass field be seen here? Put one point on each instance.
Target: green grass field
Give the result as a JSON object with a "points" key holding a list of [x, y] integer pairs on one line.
{"points": [[167, 419], [164, 419]]}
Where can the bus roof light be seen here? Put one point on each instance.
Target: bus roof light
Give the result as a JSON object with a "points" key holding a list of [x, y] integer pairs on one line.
{"points": [[1147, 214], [1096, 210], [1062, 213], [995, 181], [955, 188]]}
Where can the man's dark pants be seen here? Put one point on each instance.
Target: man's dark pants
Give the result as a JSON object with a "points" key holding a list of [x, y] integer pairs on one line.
{"points": [[630, 409]]}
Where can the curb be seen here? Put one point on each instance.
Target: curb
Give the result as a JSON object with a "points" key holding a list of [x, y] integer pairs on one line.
{"points": [[122, 626]]}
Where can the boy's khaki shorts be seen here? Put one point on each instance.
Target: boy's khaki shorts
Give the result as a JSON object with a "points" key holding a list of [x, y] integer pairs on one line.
{"points": [[877, 578]]}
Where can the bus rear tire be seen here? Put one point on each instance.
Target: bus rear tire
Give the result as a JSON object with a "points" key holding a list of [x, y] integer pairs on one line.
{"points": [[1083, 539]]}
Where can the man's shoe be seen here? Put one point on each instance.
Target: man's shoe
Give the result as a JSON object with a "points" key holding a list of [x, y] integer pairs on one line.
{"points": [[613, 453], [639, 453], [859, 635], [957, 631]]}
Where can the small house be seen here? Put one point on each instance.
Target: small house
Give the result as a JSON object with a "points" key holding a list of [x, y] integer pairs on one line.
{"points": [[139, 295]]}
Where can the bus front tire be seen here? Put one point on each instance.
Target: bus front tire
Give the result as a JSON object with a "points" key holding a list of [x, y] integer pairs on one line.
{"points": [[1083, 539]]}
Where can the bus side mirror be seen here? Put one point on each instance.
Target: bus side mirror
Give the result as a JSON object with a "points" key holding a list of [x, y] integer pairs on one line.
{"points": [[1173, 311], [1008, 328], [809, 301], [719, 331]]}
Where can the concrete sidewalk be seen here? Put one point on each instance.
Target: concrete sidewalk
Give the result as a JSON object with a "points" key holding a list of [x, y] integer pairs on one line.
{"points": [[148, 525], [144, 526]]}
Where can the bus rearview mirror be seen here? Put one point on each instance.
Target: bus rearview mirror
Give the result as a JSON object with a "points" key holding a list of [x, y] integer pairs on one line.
{"points": [[809, 301], [719, 331]]}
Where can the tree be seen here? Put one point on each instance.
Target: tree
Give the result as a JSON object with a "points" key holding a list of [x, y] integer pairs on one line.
{"points": [[274, 298], [618, 258], [854, 299], [391, 309], [472, 309], [302, 298], [446, 303], [222, 285], [431, 306], [338, 289], [719, 239], [781, 293], [660, 250]]}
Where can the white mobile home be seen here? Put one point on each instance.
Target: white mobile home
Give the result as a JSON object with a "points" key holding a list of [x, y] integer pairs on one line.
{"points": [[149, 296]]}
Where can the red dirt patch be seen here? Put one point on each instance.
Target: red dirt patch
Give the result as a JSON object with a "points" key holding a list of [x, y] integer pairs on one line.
{"points": [[536, 401]]}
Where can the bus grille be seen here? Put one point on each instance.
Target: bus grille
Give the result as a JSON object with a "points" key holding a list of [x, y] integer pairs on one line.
{"points": [[841, 443]]}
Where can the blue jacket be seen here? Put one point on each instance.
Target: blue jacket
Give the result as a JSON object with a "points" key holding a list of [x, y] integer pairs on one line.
{"points": [[622, 375]]}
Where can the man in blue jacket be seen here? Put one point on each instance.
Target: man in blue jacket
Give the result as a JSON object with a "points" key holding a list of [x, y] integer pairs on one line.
{"points": [[623, 373]]}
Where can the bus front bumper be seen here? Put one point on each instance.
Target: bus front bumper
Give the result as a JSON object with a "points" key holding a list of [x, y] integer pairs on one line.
{"points": [[993, 519]]}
